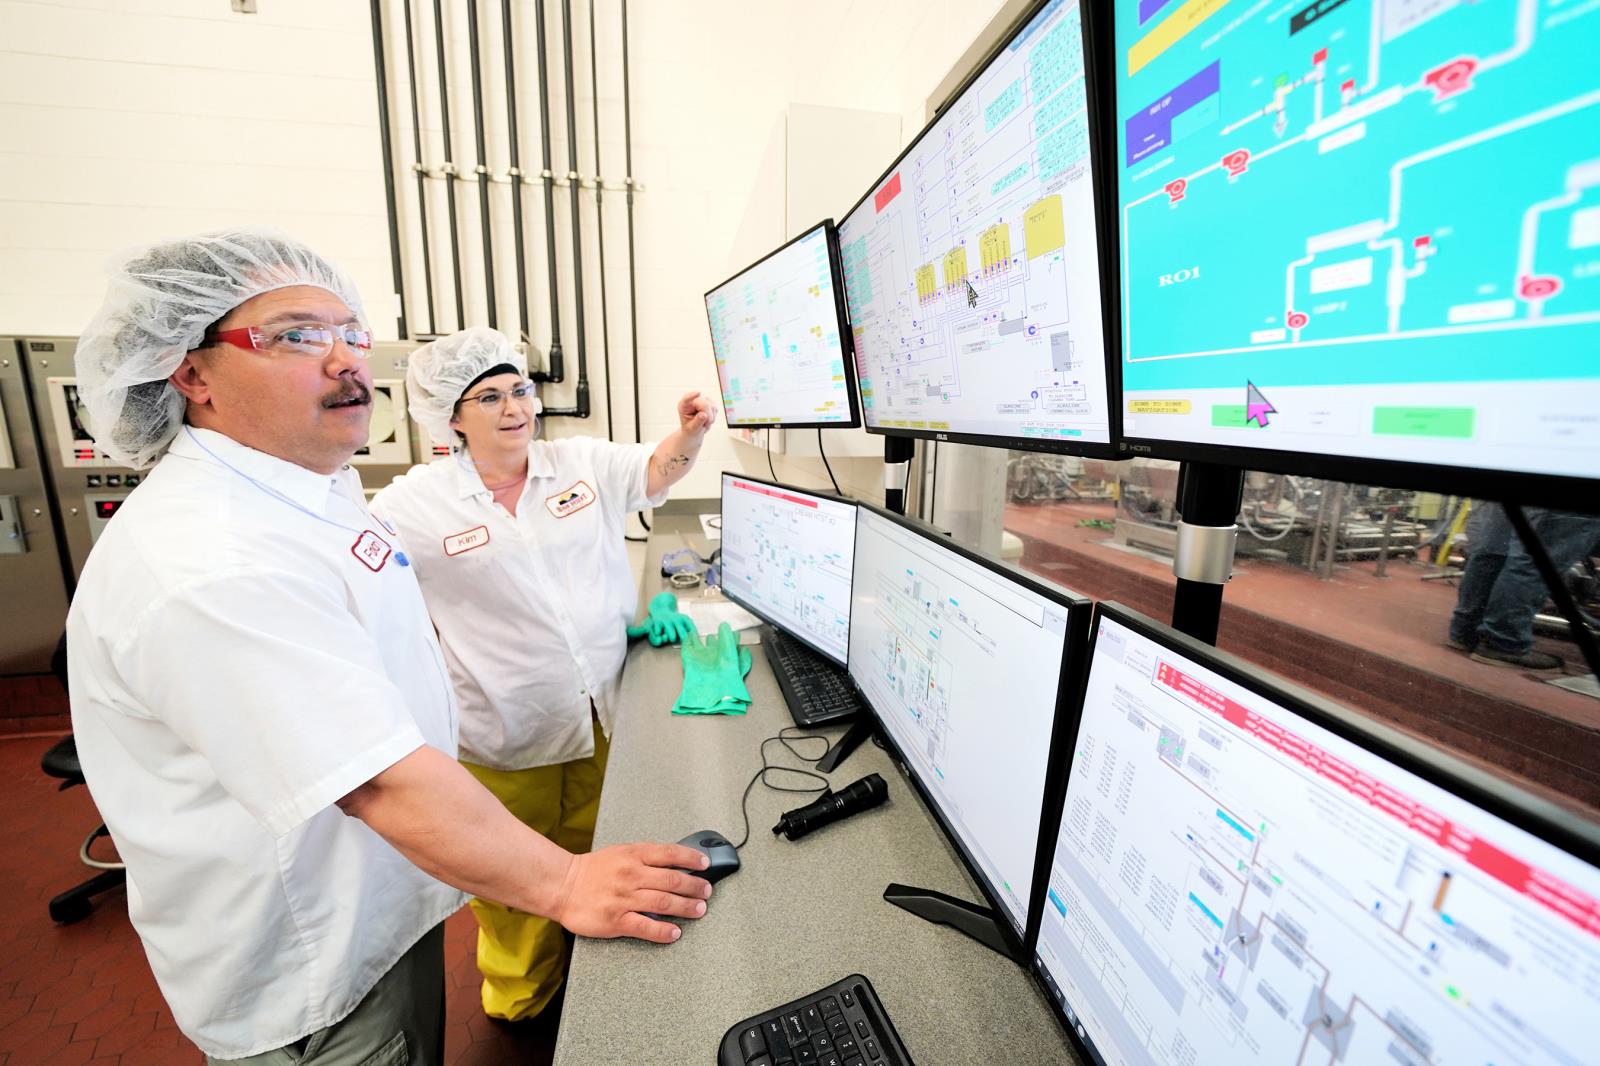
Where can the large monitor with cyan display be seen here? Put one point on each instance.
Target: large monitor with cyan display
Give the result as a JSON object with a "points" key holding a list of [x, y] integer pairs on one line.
{"points": [[1361, 239]]}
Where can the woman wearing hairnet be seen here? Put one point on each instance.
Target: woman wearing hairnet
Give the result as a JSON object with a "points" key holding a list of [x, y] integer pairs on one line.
{"points": [[518, 544], [259, 700]]}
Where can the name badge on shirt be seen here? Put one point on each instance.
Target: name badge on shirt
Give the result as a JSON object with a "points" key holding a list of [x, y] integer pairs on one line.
{"points": [[457, 543], [571, 500], [372, 550]]}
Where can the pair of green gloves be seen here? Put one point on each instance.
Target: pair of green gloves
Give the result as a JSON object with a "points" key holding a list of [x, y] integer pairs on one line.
{"points": [[713, 669]]}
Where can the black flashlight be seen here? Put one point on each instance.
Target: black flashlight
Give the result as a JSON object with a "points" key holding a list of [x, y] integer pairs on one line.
{"points": [[832, 806]]}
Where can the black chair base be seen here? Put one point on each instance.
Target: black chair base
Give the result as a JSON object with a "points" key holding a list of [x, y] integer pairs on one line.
{"points": [[74, 904]]}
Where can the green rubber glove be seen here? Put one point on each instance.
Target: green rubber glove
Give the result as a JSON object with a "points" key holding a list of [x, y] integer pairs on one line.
{"points": [[713, 675], [663, 624]]}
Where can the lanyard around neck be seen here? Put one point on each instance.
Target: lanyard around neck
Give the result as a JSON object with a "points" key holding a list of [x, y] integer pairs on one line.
{"points": [[399, 556]]}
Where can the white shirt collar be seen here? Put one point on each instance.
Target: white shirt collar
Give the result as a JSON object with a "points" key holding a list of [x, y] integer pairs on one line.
{"points": [[470, 483], [305, 487]]}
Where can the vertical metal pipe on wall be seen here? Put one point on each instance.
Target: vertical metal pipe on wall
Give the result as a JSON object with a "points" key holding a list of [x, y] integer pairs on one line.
{"points": [[633, 282], [573, 184], [600, 220], [513, 134], [555, 371], [486, 222], [417, 167], [388, 160], [633, 287], [449, 167]]}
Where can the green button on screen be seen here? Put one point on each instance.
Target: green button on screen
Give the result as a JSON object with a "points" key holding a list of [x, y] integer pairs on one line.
{"points": [[1453, 422], [1230, 416]]}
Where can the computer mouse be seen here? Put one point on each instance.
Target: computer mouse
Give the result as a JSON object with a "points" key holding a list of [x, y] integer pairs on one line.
{"points": [[712, 844]]}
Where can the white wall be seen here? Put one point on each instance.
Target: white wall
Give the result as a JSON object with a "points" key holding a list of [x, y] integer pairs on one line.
{"points": [[131, 120]]}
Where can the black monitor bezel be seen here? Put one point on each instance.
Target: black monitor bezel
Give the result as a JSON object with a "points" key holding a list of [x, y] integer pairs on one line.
{"points": [[758, 611], [841, 314], [1110, 311], [1556, 825], [1075, 642], [1484, 483]]}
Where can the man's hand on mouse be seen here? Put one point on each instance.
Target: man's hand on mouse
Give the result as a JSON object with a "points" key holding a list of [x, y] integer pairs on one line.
{"points": [[605, 891]]}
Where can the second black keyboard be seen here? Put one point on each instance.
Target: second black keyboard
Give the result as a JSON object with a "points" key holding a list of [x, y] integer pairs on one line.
{"points": [[843, 1024], [817, 690]]}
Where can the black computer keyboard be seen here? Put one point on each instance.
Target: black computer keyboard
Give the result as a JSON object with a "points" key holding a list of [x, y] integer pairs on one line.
{"points": [[841, 1025], [817, 689]]}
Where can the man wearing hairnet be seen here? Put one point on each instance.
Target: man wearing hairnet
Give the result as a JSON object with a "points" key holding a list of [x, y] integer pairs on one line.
{"points": [[259, 700], [518, 544]]}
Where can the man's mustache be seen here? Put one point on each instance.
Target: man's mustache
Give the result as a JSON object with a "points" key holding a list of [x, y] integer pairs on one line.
{"points": [[349, 395]]}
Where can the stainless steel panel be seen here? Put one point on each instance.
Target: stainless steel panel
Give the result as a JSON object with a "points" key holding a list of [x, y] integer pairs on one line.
{"points": [[33, 586]]}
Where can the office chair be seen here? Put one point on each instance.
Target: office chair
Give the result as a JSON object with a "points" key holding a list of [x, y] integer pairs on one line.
{"points": [[61, 760]]}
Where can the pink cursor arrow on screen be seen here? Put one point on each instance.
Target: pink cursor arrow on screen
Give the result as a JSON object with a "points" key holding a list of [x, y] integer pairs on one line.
{"points": [[1256, 406]]}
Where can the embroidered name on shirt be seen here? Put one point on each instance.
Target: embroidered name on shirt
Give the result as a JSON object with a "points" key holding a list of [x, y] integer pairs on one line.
{"points": [[457, 543], [571, 500], [372, 550]]}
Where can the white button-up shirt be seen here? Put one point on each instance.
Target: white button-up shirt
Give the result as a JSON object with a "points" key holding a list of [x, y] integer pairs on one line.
{"points": [[532, 609], [239, 661]]}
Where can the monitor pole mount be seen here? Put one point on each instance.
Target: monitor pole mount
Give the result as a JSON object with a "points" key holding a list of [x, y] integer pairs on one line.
{"points": [[1208, 508], [897, 453]]}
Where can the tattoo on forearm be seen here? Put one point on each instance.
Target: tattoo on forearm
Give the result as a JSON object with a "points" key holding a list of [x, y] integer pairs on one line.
{"points": [[671, 465]]}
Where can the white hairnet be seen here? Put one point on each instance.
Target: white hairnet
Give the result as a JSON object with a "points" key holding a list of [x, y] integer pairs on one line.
{"points": [[441, 371], [160, 301]]}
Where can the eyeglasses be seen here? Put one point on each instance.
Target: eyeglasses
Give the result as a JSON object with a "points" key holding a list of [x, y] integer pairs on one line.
{"points": [[314, 339], [493, 399]]}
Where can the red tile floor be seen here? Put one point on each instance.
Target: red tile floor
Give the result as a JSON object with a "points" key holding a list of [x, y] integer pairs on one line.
{"points": [[83, 994]]}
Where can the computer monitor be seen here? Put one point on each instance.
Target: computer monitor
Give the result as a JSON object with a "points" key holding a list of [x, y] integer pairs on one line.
{"points": [[1361, 240], [786, 558], [780, 336], [964, 662], [1244, 873], [974, 265]]}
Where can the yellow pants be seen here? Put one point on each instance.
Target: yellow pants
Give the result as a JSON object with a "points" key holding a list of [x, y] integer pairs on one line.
{"points": [[523, 957]]}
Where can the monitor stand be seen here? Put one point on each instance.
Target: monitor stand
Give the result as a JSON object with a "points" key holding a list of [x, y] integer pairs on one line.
{"points": [[980, 923], [840, 750]]}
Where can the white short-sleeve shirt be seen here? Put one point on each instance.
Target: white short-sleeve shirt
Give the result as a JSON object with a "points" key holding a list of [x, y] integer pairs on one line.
{"points": [[532, 609], [238, 663]]}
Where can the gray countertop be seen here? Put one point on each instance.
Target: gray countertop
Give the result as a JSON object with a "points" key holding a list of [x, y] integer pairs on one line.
{"points": [[798, 915]]}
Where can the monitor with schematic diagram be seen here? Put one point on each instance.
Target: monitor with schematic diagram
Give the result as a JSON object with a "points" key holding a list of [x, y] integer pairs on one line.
{"points": [[786, 558], [973, 266], [1361, 239], [968, 666], [1243, 873], [780, 340]]}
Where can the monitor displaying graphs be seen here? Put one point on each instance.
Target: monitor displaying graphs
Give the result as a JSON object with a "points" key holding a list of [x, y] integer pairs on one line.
{"points": [[1362, 229], [1234, 883], [973, 266], [777, 332]]}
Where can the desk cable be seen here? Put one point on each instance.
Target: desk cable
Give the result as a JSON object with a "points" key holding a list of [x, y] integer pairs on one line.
{"points": [[786, 738]]}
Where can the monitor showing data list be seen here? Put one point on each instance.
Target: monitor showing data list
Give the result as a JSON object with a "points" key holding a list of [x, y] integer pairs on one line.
{"points": [[787, 556], [963, 662], [779, 336], [1361, 239], [1244, 874], [973, 265]]}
